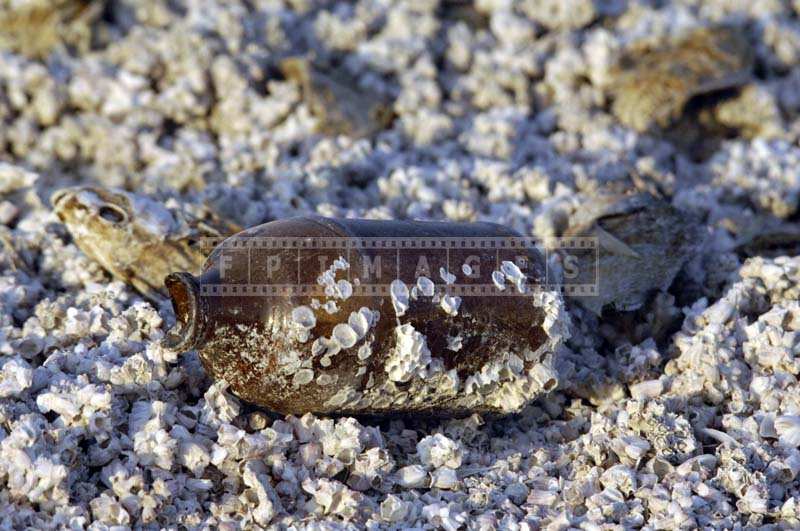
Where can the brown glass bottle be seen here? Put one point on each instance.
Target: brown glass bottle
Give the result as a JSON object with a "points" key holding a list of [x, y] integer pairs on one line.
{"points": [[321, 315]]}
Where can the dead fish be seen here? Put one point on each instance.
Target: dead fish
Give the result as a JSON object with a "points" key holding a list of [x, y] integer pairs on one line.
{"points": [[643, 243], [651, 87], [335, 99], [136, 239], [354, 316], [35, 28]]}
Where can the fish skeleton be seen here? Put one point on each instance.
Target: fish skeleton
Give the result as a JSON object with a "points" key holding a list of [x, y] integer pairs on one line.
{"points": [[336, 100], [643, 242], [135, 238], [652, 86]]}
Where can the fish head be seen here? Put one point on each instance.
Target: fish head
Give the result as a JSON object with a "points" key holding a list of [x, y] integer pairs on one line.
{"points": [[115, 228], [116, 214]]}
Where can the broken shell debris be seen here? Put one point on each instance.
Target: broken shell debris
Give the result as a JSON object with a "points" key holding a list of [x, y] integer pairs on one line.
{"points": [[681, 413]]}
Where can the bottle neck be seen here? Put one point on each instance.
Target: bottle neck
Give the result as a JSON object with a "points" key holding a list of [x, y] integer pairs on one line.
{"points": [[189, 328]]}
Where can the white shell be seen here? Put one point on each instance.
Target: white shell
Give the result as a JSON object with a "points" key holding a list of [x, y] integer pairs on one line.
{"points": [[400, 295], [788, 429], [412, 476], [344, 335], [439, 451], [426, 286], [304, 316], [447, 276]]}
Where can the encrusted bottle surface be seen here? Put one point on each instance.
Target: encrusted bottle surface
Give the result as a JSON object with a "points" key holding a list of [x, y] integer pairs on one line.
{"points": [[373, 317]]}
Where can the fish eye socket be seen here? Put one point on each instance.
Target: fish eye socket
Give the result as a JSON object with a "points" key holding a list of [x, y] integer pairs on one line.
{"points": [[112, 214]]}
